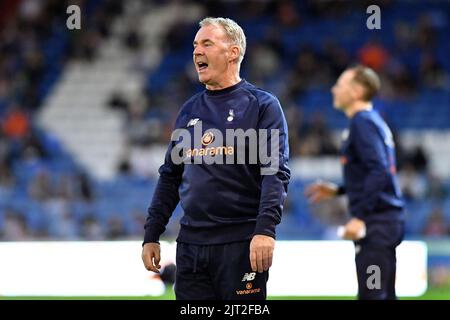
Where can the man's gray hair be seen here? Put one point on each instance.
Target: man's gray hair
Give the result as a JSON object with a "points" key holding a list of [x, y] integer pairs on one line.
{"points": [[232, 30]]}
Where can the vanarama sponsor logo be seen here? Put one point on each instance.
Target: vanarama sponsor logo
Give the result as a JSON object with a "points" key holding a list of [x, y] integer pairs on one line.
{"points": [[207, 139], [212, 151], [248, 291], [234, 146]]}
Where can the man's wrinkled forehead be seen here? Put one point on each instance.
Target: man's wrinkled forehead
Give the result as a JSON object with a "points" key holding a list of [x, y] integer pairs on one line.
{"points": [[211, 32]]}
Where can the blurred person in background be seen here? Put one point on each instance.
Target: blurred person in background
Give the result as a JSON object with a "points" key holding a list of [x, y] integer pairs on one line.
{"points": [[370, 181], [227, 235]]}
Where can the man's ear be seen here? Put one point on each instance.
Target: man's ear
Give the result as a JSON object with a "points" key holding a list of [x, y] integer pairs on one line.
{"points": [[358, 91], [234, 55]]}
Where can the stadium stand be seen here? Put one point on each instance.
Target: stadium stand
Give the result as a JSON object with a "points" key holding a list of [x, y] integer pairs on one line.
{"points": [[86, 114]]}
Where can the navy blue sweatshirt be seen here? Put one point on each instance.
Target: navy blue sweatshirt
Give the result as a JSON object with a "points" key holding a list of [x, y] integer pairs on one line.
{"points": [[369, 164], [222, 203]]}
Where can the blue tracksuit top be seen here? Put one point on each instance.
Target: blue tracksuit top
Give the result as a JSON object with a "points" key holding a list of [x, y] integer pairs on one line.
{"points": [[222, 203], [369, 168]]}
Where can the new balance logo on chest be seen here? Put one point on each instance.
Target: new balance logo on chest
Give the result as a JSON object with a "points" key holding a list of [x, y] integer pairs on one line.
{"points": [[192, 122]]}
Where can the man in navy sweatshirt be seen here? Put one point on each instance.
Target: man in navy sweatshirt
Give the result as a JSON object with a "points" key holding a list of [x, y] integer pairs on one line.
{"points": [[227, 166], [370, 182]]}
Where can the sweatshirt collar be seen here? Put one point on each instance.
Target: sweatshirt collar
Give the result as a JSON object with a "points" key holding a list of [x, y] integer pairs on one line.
{"points": [[225, 90]]}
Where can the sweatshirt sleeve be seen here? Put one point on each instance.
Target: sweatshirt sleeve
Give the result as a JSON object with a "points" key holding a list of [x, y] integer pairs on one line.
{"points": [[165, 197], [370, 149], [275, 173]]}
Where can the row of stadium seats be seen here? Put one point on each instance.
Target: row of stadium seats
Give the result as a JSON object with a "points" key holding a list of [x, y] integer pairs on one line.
{"points": [[127, 195]]}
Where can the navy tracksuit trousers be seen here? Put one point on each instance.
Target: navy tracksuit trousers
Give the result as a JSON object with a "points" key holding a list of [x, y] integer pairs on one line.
{"points": [[217, 272], [376, 260]]}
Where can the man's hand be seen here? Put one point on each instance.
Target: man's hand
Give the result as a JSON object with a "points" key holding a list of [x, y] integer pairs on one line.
{"points": [[320, 191], [151, 256], [261, 252], [355, 229]]}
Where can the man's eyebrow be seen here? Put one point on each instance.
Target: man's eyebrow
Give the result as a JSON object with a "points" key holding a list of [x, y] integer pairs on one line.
{"points": [[202, 41]]}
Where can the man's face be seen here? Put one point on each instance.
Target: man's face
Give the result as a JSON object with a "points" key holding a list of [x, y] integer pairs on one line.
{"points": [[211, 54], [344, 91]]}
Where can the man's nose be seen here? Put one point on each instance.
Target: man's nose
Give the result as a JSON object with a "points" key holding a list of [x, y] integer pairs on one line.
{"points": [[198, 51]]}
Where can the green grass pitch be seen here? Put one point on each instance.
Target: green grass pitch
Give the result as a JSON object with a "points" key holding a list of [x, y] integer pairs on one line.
{"points": [[431, 294]]}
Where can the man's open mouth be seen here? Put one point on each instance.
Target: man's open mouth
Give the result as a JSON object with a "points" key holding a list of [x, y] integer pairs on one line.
{"points": [[202, 66]]}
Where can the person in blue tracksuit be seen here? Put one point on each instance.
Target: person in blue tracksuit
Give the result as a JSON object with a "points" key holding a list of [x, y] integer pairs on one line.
{"points": [[370, 182], [231, 208]]}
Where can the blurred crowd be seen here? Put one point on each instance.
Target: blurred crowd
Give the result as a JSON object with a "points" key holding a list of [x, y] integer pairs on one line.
{"points": [[291, 72], [39, 184]]}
